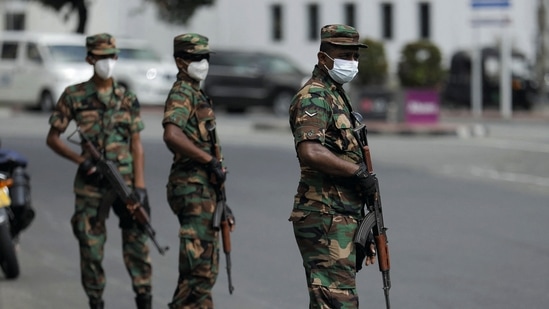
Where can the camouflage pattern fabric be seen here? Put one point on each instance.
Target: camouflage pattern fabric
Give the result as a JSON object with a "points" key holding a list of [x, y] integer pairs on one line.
{"points": [[326, 208], [91, 236], [191, 196], [326, 244], [109, 124], [101, 44], [198, 269], [342, 35], [319, 113], [191, 43]]}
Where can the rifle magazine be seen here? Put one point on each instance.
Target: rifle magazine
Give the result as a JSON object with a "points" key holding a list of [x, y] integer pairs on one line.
{"points": [[364, 229]]}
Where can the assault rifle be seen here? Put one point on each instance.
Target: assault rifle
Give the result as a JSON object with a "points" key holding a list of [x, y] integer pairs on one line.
{"points": [[109, 170], [373, 221], [223, 217], [221, 220]]}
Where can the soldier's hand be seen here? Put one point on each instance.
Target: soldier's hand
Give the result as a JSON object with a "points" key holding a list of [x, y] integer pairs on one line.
{"points": [[143, 198], [90, 173], [216, 170], [370, 255], [230, 219], [366, 181]]}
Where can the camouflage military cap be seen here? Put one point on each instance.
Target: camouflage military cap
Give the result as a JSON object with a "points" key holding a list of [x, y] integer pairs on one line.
{"points": [[191, 43], [101, 44], [342, 35]]}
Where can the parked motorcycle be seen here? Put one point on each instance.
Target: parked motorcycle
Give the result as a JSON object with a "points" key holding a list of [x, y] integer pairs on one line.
{"points": [[16, 212]]}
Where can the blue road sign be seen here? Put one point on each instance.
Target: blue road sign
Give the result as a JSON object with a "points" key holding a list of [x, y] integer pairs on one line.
{"points": [[490, 3]]}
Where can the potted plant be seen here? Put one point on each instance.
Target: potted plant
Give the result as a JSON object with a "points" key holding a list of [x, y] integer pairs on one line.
{"points": [[420, 74]]}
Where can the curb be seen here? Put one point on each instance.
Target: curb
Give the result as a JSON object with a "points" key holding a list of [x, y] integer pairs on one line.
{"points": [[385, 128], [6, 112]]}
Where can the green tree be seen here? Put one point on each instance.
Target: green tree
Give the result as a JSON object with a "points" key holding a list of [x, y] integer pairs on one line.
{"points": [[171, 11], [372, 64], [420, 65], [78, 6], [178, 11]]}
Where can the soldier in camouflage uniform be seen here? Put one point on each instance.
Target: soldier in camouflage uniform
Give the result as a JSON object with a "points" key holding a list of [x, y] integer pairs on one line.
{"points": [[334, 182], [109, 116], [188, 123]]}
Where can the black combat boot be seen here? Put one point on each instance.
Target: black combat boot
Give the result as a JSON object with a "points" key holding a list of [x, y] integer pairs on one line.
{"points": [[96, 303], [144, 301]]}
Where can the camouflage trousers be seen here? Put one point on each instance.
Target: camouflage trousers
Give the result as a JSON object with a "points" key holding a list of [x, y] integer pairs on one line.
{"points": [[326, 245], [198, 269], [91, 236], [194, 204]]}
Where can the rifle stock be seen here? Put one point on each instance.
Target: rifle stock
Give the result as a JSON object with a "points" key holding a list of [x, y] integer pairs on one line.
{"points": [[109, 170], [373, 221]]}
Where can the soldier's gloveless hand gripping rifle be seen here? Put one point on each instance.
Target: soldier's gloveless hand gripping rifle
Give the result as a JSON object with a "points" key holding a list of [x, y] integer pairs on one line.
{"points": [[110, 172], [373, 221], [223, 217]]}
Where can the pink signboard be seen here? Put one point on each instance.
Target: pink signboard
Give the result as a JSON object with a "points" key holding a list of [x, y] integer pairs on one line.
{"points": [[421, 106]]}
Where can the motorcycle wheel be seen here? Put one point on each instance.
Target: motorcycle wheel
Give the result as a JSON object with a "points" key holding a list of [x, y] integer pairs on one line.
{"points": [[8, 257]]}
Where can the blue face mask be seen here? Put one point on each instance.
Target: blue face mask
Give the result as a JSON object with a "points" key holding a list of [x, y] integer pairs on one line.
{"points": [[343, 71]]}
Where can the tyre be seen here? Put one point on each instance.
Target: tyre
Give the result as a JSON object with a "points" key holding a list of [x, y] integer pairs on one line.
{"points": [[281, 103], [8, 256], [236, 110], [46, 103]]}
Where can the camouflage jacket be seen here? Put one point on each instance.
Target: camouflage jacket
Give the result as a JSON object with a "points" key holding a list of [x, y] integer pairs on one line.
{"points": [[109, 125], [191, 110], [320, 112]]}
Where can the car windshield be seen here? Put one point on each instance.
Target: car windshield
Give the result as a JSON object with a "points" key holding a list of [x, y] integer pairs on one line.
{"points": [[280, 65], [67, 53], [138, 54]]}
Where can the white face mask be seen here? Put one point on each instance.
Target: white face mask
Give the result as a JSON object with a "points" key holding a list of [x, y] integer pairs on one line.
{"points": [[198, 70], [105, 67], [343, 71]]}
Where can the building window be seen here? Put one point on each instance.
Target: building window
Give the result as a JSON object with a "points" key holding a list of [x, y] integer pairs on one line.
{"points": [[9, 51], [424, 20], [14, 21], [387, 21], [350, 14], [276, 16], [314, 28]]}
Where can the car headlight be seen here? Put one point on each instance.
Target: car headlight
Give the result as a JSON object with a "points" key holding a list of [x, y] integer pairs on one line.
{"points": [[151, 73]]}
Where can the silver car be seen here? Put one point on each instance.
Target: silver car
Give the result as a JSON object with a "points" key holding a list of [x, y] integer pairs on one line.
{"points": [[35, 68]]}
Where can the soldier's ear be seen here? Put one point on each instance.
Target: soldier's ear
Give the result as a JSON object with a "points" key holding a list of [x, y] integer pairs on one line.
{"points": [[90, 60], [181, 64]]}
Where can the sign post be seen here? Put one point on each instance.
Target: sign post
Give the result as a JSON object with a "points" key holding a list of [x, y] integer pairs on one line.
{"points": [[504, 58]]}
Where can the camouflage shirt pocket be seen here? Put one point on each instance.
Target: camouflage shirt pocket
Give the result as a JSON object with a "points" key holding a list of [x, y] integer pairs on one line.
{"points": [[206, 120], [342, 138]]}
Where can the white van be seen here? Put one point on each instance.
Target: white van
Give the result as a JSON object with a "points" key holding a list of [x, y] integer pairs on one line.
{"points": [[35, 68]]}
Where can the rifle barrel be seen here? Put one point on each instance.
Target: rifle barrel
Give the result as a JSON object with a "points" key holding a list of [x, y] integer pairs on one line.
{"points": [[228, 262]]}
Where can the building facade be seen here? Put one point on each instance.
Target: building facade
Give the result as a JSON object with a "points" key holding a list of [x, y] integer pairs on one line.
{"points": [[292, 27]]}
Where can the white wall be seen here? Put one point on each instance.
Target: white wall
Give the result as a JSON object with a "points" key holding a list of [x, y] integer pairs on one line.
{"points": [[247, 24]]}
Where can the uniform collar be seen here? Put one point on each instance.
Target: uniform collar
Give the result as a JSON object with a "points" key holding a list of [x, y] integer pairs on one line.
{"points": [[319, 73], [184, 77]]}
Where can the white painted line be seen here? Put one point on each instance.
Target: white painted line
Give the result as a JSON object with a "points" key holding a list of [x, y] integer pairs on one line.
{"points": [[508, 144], [509, 177]]}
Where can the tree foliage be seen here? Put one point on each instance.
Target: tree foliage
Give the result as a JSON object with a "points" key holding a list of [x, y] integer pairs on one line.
{"points": [[420, 65], [179, 11], [170, 11], [78, 6], [372, 64]]}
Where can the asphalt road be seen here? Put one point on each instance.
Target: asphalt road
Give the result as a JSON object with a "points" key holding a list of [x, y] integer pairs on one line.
{"points": [[466, 217]]}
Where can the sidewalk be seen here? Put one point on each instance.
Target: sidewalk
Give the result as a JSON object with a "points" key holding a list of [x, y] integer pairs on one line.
{"points": [[460, 123]]}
